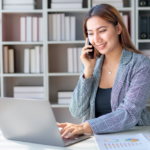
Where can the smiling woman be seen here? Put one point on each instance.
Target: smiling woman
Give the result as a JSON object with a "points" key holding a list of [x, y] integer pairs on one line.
{"points": [[114, 87]]}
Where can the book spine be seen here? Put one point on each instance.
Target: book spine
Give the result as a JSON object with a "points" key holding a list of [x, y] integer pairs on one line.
{"points": [[41, 59], [73, 28], [18, 7], [63, 27], [70, 59], [32, 61], [40, 29], [66, 1], [22, 29], [28, 89], [29, 95], [8, 2], [5, 57], [79, 60], [54, 20], [50, 38], [35, 29], [11, 60], [29, 29], [67, 28], [37, 58], [75, 59], [26, 60], [66, 5], [65, 94], [58, 27]]}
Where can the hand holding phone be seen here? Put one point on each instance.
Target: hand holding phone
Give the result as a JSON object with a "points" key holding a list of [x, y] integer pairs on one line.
{"points": [[91, 54]]}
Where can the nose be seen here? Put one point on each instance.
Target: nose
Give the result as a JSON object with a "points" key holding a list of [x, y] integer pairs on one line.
{"points": [[97, 38]]}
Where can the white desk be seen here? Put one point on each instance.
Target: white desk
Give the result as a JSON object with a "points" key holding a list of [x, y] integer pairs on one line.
{"points": [[89, 144]]}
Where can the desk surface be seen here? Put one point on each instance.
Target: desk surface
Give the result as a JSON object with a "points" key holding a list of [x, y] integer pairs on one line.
{"points": [[89, 144]]}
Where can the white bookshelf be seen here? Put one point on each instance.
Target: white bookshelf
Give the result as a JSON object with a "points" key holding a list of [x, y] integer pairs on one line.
{"points": [[55, 76]]}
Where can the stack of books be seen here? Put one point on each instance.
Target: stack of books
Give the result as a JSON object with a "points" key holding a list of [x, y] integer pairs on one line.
{"points": [[31, 29], [146, 53], [19, 4], [33, 60], [66, 4], [74, 61], [64, 97], [61, 27], [8, 60], [115, 3], [30, 92]]}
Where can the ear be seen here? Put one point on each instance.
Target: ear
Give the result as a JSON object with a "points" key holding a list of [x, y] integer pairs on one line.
{"points": [[119, 28]]}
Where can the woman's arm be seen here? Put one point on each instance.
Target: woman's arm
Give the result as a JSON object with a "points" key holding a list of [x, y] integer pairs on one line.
{"points": [[129, 111]]}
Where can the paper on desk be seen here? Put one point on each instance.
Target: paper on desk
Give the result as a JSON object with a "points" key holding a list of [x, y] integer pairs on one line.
{"points": [[147, 136], [122, 142]]}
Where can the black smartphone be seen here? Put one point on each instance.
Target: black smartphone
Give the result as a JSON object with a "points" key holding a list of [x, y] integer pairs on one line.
{"points": [[91, 54]]}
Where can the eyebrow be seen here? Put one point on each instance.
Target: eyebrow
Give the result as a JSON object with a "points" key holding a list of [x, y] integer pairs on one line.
{"points": [[98, 28]]}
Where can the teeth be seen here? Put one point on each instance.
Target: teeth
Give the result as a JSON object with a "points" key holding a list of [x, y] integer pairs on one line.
{"points": [[101, 45]]}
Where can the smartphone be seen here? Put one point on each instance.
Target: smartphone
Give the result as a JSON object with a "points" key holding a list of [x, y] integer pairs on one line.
{"points": [[91, 54]]}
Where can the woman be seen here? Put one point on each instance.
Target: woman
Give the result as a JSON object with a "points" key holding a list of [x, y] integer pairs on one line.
{"points": [[114, 87]]}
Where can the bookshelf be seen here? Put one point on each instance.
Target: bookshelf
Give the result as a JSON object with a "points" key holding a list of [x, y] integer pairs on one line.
{"points": [[55, 76]]}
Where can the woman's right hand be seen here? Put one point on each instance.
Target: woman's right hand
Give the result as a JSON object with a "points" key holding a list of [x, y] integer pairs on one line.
{"points": [[88, 63]]}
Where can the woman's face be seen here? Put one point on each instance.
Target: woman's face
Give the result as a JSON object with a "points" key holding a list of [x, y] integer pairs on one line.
{"points": [[103, 35]]}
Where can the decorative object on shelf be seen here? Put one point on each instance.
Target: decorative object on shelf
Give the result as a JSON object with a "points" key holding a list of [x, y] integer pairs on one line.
{"points": [[8, 60], [74, 61], [30, 92], [66, 4], [143, 27], [19, 4], [143, 3], [31, 29], [61, 27], [115, 3], [64, 97]]}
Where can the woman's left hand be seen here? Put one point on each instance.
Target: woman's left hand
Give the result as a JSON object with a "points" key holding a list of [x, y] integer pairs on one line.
{"points": [[69, 129]]}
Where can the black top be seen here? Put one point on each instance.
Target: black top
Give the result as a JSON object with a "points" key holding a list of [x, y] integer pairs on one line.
{"points": [[102, 102]]}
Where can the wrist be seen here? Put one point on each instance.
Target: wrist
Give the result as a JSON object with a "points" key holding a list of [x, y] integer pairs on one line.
{"points": [[86, 127]]}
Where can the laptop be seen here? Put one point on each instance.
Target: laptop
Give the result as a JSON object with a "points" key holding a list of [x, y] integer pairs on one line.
{"points": [[32, 121]]}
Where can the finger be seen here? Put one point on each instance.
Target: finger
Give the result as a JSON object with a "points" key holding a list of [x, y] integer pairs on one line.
{"points": [[85, 52], [86, 41], [67, 132], [62, 125], [64, 129], [86, 47], [71, 134]]}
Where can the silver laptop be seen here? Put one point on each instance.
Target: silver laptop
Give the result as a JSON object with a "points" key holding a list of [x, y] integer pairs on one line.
{"points": [[32, 121]]}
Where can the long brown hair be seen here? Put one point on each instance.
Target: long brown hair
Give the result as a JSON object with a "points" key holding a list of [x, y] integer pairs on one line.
{"points": [[111, 15]]}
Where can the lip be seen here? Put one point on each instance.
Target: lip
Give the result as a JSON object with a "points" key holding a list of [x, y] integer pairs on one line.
{"points": [[104, 45]]}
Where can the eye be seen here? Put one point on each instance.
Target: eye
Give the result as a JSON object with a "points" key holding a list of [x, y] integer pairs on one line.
{"points": [[102, 31], [90, 33]]}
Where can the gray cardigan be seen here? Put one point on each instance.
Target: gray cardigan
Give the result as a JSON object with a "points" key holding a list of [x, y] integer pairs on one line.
{"points": [[130, 93]]}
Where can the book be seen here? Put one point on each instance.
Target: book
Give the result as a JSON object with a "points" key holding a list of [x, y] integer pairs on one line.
{"points": [[64, 100], [65, 94], [26, 60], [66, 5], [11, 60], [22, 29], [5, 59], [54, 26], [15, 2], [63, 27], [75, 69], [29, 28], [50, 29], [66, 1], [70, 59], [125, 19], [79, 60], [32, 61], [110, 1], [58, 26], [67, 28], [37, 59], [35, 29], [28, 89], [36, 95], [115, 4], [41, 59], [40, 29], [18, 7], [73, 28]]}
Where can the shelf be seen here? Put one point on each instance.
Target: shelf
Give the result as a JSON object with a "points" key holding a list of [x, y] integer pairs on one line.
{"points": [[148, 105], [125, 9], [144, 8], [22, 11], [143, 41], [63, 74], [22, 75], [21, 43], [67, 42], [59, 106], [68, 10]]}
